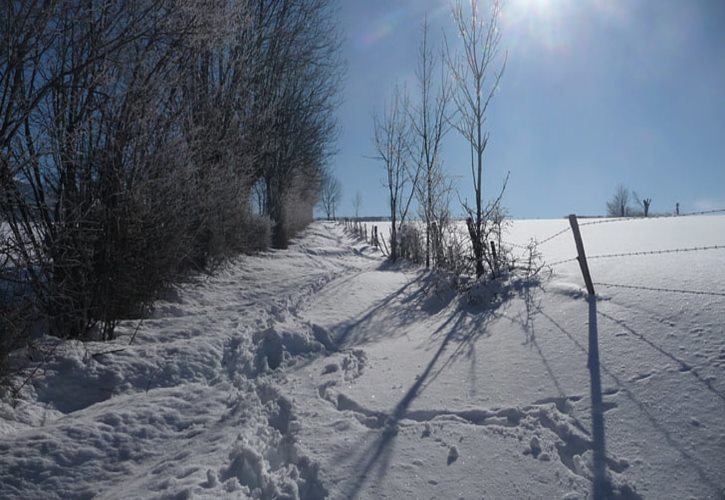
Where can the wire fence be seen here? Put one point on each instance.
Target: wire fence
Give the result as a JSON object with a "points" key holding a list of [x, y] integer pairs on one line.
{"points": [[594, 365], [533, 244], [640, 253], [650, 217], [655, 252], [610, 221], [657, 289]]}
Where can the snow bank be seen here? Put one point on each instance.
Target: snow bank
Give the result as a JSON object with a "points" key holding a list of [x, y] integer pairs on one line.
{"points": [[321, 372]]}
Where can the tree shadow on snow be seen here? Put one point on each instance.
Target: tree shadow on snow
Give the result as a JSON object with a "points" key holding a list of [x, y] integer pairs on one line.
{"points": [[421, 297], [463, 326], [477, 309], [376, 456]]}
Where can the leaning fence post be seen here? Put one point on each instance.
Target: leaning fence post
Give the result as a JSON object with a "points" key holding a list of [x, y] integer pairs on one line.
{"points": [[600, 486], [494, 259], [581, 256]]}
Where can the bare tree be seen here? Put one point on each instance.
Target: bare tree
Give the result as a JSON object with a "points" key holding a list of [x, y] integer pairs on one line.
{"points": [[645, 203], [476, 80], [132, 134], [430, 124], [330, 194], [618, 206], [84, 116], [357, 202], [299, 73], [392, 143]]}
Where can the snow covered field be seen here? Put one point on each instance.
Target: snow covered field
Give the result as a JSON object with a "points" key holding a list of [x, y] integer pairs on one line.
{"points": [[323, 371]]}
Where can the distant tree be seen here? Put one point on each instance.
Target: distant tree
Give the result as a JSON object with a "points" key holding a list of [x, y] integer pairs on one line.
{"points": [[618, 206], [476, 80], [645, 203], [357, 203], [330, 195]]}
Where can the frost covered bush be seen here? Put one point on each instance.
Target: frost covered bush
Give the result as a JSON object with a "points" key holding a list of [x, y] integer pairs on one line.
{"points": [[125, 163], [14, 328], [411, 243], [16, 309], [455, 254], [256, 233]]}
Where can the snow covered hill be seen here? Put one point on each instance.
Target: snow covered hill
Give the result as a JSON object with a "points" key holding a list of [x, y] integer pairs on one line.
{"points": [[322, 371]]}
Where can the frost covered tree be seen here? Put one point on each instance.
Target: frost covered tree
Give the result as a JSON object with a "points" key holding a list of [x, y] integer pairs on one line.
{"points": [[430, 122], [330, 195], [476, 74], [296, 84], [132, 134], [392, 143]]}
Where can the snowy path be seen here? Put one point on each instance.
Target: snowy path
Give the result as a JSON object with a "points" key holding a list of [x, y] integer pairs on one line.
{"points": [[187, 408], [228, 390]]}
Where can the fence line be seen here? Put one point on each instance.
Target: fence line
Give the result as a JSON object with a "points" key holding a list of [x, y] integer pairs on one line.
{"points": [[656, 252], [619, 219], [536, 242], [559, 262], [641, 218], [601, 486], [515, 245], [555, 235], [639, 254], [655, 289]]}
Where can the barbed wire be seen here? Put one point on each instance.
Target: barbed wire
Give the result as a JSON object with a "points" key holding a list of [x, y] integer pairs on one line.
{"points": [[536, 242], [617, 219], [555, 235], [656, 289], [563, 261], [655, 252], [704, 212], [640, 218], [638, 254], [516, 245]]}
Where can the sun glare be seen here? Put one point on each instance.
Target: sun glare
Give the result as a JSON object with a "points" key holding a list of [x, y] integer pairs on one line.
{"points": [[542, 23], [538, 9]]}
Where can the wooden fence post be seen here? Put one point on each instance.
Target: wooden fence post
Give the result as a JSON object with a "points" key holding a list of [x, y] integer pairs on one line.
{"points": [[601, 487], [581, 256]]}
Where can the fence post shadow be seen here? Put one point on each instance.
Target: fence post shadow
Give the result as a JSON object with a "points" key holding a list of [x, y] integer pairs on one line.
{"points": [[601, 487]]}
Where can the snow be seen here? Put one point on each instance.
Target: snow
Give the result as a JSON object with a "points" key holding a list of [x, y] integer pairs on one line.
{"points": [[324, 371]]}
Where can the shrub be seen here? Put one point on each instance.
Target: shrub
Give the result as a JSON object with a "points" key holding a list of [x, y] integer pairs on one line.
{"points": [[411, 243]]}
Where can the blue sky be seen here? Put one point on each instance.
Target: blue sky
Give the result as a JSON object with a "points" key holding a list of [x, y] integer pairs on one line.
{"points": [[595, 93]]}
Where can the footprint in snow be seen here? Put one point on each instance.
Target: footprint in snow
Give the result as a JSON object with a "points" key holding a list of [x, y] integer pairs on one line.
{"points": [[452, 455]]}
